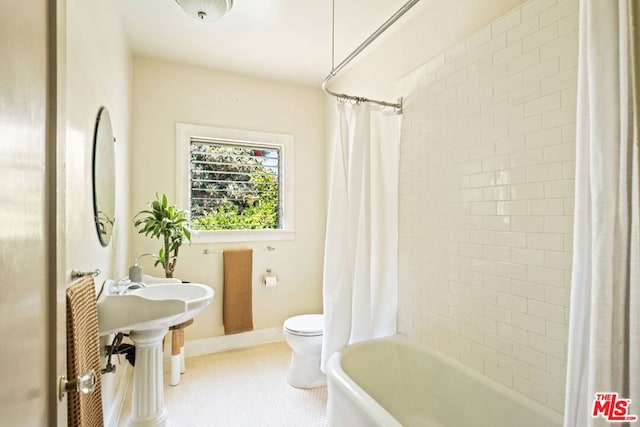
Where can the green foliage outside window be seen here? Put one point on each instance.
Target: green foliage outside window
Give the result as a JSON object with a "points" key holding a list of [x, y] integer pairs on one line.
{"points": [[234, 187]]}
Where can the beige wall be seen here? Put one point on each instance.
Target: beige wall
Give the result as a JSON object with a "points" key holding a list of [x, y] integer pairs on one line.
{"points": [[98, 73], [165, 93]]}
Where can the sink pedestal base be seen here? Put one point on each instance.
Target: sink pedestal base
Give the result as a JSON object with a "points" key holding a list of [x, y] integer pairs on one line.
{"points": [[147, 406]]}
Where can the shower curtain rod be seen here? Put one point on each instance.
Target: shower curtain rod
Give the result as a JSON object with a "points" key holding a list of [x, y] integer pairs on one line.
{"points": [[342, 96]]}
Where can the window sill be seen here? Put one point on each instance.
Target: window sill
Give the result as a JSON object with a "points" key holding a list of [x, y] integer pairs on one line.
{"points": [[233, 236]]}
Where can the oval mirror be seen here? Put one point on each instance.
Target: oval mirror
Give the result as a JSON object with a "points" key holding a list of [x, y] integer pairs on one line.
{"points": [[104, 185]]}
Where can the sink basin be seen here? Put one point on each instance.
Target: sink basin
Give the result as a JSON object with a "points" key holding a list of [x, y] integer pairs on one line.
{"points": [[153, 307]]}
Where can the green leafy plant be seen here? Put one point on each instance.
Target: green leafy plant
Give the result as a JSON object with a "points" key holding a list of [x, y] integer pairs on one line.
{"points": [[168, 223]]}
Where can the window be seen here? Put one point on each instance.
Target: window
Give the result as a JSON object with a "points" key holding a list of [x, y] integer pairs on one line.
{"points": [[236, 185]]}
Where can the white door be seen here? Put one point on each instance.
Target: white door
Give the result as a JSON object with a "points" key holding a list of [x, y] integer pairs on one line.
{"points": [[31, 306]]}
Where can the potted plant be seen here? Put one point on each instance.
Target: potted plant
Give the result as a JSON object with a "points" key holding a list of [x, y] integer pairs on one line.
{"points": [[168, 223]]}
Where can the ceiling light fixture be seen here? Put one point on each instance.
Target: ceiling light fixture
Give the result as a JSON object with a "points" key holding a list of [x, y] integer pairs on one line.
{"points": [[205, 10]]}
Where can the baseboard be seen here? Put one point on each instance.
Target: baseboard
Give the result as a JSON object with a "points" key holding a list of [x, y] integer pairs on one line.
{"points": [[230, 342], [122, 383]]}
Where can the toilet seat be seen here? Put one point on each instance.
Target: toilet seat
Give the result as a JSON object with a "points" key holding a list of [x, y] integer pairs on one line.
{"points": [[306, 325]]}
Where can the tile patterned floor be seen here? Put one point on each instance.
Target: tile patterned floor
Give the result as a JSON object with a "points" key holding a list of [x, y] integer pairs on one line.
{"points": [[241, 388]]}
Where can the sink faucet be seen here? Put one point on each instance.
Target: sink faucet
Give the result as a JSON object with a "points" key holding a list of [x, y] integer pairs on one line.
{"points": [[133, 286], [123, 286]]}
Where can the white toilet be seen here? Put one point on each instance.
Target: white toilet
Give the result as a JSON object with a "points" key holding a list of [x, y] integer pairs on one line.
{"points": [[304, 336]]}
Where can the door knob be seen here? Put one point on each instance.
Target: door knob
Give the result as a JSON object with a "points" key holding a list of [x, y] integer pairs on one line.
{"points": [[84, 384]]}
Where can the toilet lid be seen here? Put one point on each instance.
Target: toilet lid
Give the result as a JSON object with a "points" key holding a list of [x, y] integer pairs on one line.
{"points": [[306, 324]]}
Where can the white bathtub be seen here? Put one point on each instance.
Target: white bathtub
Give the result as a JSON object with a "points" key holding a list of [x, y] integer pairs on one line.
{"points": [[395, 382]]}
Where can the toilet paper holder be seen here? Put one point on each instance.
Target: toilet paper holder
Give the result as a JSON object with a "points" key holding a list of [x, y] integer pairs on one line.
{"points": [[269, 279]]}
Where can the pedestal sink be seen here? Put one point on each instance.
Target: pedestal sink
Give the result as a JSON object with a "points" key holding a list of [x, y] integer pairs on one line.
{"points": [[147, 313]]}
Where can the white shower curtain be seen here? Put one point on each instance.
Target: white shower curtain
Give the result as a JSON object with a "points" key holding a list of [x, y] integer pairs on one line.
{"points": [[360, 265], [604, 329]]}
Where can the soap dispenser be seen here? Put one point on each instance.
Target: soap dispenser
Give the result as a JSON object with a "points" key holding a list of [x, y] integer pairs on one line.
{"points": [[135, 271]]}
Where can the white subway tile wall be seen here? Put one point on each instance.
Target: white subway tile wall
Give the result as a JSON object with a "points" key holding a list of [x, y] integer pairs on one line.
{"points": [[486, 198]]}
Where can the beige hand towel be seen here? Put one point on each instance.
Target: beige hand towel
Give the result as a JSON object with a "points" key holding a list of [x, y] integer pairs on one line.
{"points": [[83, 353], [237, 309]]}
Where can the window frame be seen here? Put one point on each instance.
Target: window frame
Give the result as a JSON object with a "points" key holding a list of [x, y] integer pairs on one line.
{"points": [[185, 132]]}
